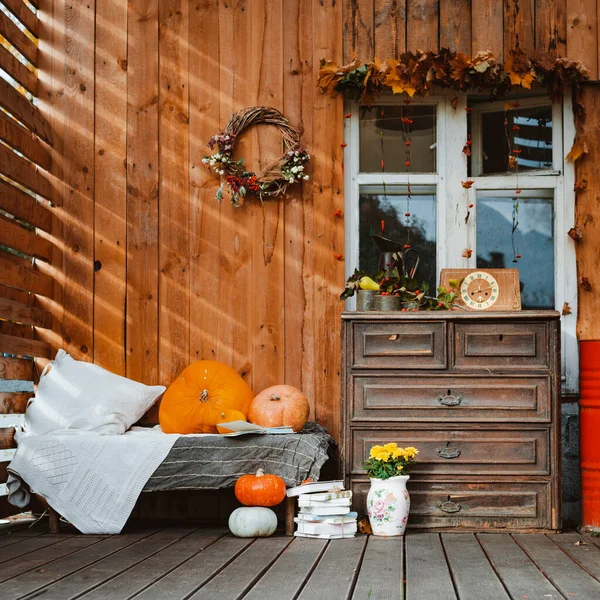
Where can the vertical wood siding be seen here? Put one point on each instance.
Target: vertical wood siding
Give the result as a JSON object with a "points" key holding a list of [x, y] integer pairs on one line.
{"points": [[152, 272], [157, 273]]}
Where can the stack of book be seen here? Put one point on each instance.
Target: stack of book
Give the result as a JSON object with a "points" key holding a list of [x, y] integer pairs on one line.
{"points": [[324, 510]]}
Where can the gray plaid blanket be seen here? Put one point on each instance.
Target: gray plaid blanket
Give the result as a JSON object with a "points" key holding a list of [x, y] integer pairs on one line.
{"points": [[211, 462]]}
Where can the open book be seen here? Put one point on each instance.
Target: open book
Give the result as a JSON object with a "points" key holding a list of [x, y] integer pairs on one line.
{"points": [[243, 428]]}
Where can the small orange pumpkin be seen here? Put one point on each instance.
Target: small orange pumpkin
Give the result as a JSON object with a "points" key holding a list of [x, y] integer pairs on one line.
{"points": [[196, 400], [280, 405], [261, 489], [228, 416]]}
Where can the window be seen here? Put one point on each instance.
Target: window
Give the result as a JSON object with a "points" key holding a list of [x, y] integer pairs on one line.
{"points": [[506, 228]]}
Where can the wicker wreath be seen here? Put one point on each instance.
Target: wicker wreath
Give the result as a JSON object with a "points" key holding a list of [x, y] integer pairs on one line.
{"points": [[274, 179]]}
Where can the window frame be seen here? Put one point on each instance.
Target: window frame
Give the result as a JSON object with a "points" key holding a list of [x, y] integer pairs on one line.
{"points": [[452, 234]]}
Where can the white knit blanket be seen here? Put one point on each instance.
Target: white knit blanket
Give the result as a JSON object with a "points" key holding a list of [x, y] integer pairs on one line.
{"points": [[92, 480]]}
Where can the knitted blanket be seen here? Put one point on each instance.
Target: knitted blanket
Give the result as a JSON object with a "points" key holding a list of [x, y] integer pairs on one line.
{"points": [[92, 480], [213, 461]]}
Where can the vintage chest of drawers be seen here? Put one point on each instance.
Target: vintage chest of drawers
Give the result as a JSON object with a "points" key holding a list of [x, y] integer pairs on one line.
{"points": [[477, 394]]}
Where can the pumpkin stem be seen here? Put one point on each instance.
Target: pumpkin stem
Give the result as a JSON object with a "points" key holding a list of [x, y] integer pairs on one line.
{"points": [[260, 473], [204, 396], [275, 397]]}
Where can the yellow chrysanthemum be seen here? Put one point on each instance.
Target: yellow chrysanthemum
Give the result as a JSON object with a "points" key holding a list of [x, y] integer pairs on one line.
{"points": [[383, 456], [375, 450], [400, 468], [391, 448]]}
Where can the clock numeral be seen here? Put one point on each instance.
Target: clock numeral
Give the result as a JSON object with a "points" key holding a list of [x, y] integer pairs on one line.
{"points": [[492, 297], [495, 290]]}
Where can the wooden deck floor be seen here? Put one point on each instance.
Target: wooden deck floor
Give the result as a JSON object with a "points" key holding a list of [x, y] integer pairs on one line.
{"points": [[186, 562]]}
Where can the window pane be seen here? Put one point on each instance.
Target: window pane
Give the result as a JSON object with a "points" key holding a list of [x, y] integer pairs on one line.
{"points": [[533, 240], [529, 130], [390, 206], [383, 136]]}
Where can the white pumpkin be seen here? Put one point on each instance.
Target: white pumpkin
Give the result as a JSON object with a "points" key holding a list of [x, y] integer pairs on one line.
{"points": [[252, 521]]}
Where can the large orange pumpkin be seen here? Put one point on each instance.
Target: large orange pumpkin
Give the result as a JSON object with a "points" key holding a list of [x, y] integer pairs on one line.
{"points": [[227, 417], [196, 400], [260, 490], [280, 405]]}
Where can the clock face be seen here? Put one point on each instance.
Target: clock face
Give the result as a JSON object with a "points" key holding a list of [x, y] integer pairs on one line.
{"points": [[479, 290]]}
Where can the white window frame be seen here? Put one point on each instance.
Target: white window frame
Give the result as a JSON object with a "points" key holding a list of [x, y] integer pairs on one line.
{"points": [[452, 234]]}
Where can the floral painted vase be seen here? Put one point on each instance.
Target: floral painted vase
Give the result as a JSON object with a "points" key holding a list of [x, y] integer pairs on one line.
{"points": [[388, 504]]}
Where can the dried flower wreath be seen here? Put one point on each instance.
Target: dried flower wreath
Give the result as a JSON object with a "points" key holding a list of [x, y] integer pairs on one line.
{"points": [[274, 179], [417, 73]]}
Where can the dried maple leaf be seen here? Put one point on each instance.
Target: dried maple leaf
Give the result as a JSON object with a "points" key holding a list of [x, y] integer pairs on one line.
{"points": [[519, 69], [398, 84], [584, 282], [329, 75], [467, 184], [467, 252], [364, 526], [467, 149], [578, 150], [575, 233], [512, 162], [566, 309]]}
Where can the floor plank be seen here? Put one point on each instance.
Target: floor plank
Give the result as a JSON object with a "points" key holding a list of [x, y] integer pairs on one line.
{"points": [[192, 574], [11, 539], [518, 574], [26, 546], [582, 550], [288, 575], [336, 571], [88, 578], [239, 576], [473, 575], [37, 579], [35, 560], [144, 574], [427, 574], [566, 576], [381, 573]]}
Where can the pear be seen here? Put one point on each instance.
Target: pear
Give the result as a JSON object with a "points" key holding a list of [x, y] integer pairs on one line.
{"points": [[366, 283]]}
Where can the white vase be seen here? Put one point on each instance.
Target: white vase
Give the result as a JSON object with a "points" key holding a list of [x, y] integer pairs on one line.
{"points": [[388, 504]]}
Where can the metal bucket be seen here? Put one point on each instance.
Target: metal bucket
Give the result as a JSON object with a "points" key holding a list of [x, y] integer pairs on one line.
{"points": [[365, 299], [589, 426], [386, 303]]}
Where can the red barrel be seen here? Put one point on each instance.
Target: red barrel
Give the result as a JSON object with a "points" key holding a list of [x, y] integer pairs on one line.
{"points": [[589, 404]]}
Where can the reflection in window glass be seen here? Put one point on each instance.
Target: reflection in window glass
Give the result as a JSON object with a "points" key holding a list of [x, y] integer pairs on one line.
{"points": [[389, 206], [534, 240], [383, 136], [528, 130]]}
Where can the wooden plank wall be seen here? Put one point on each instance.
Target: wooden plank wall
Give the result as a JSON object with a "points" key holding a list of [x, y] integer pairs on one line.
{"points": [[26, 241], [151, 272], [155, 273]]}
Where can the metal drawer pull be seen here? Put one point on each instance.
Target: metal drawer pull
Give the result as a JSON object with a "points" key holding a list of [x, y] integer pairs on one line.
{"points": [[449, 506], [449, 451], [450, 400]]}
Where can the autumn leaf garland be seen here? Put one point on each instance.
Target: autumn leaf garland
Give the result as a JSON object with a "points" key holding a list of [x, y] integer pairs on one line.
{"points": [[417, 73]]}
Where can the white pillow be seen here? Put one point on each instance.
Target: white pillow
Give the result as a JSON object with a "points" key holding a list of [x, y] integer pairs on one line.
{"points": [[81, 396]]}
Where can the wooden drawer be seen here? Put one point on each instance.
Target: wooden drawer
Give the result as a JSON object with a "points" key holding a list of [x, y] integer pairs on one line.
{"points": [[397, 345], [444, 397], [455, 451], [466, 505], [514, 346]]}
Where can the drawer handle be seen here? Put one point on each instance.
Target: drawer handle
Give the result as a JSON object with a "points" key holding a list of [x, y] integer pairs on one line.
{"points": [[450, 400], [449, 451], [449, 506]]}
